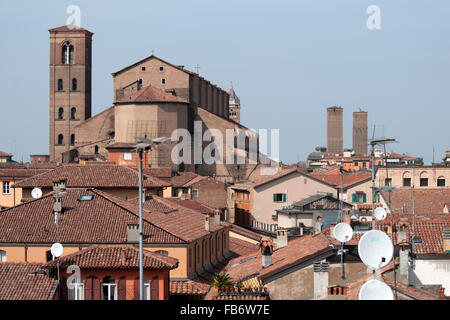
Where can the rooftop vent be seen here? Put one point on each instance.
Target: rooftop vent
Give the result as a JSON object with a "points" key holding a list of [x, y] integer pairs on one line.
{"points": [[87, 197]]}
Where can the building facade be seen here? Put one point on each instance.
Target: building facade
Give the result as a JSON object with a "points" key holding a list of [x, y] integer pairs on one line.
{"points": [[360, 141], [335, 138]]}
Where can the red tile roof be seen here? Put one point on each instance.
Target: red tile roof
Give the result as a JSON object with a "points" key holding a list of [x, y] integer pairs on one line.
{"points": [[150, 94], [188, 287], [4, 154], [69, 28], [114, 257], [297, 250], [428, 202], [182, 178], [158, 172], [101, 220], [430, 232], [25, 281], [20, 173], [192, 204], [185, 223], [92, 176], [349, 179], [241, 247]]}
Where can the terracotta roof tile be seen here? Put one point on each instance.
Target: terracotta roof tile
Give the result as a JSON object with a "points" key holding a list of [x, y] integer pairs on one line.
{"points": [[114, 257], [188, 287], [102, 220], [25, 281], [92, 176], [349, 179], [150, 94], [20, 173]]}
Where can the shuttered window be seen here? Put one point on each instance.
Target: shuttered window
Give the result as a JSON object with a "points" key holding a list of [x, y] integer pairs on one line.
{"points": [[279, 197], [154, 289]]}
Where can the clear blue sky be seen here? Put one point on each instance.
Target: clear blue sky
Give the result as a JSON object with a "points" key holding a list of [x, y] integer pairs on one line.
{"points": [[288, 60]]}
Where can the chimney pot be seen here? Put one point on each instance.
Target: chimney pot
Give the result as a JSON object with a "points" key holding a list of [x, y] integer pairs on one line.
{"points": [[207, 226], [282, 238], [217, 216], [132, 232]]}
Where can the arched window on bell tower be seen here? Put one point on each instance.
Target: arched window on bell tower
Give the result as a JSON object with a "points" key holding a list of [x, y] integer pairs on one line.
{"points": [[74, 84], [61, 113], [60, 139], [67, 53], [60, 85], [72, 139], [73, 113]]}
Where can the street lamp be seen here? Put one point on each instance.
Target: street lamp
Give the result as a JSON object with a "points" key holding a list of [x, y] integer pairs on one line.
{"points": [[143, 145]]}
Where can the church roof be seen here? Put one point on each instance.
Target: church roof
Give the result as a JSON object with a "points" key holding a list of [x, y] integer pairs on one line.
{"points": [[150, 94], [70, 28]]}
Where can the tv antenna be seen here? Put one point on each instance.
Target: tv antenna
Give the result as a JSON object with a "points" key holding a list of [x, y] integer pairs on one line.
{"points": [[342, 232]]}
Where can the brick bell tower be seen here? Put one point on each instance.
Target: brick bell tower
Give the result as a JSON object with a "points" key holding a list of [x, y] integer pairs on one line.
{"points": [[70, 85]]}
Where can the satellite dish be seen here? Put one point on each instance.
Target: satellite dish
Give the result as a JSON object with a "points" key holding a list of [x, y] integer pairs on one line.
{"points": [[380, 213], [375, 249], [56, 249], [375, 290], [342, 232], [36, 193]]}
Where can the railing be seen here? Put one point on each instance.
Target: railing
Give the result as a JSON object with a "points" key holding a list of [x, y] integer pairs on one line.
{"points": [[267, 227]]}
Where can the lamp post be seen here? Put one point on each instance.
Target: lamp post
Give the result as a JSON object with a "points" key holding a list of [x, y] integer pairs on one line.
{"points": [[143, 144]]}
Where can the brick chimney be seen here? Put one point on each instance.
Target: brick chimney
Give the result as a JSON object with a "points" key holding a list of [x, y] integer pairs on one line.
{"points": [[403, 253], [347, 219], [266, 253], [217, 216], [132, 232], [320, 280], [282, 238], [337, 293]]}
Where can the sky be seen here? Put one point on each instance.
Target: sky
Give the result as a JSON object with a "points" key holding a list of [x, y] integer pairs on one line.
{"points": [[288, 61]]}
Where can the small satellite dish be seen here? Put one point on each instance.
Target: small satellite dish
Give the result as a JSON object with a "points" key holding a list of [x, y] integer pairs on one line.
{"points": [[375, 290], [56, 249], [375, 249], [380, 213], [342, 232], [36, 193]]}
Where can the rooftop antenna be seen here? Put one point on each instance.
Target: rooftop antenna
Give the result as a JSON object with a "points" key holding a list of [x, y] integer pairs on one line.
{"points": [[342, 232], [197, 67]]}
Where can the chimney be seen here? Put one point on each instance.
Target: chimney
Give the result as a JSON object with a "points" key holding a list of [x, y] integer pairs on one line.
{"points": [[282, 238], [441, 293], [337, 293], [332, 225], [318, 224], [320, 280], [446, 240], [266, 253], [59, 185], [347, 219], [217, 216], [207, 226], [403, 253], [132, 232]]}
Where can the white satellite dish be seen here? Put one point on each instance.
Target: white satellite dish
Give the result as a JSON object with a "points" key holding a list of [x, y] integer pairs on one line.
{"points": [[380, 213], [342, 232], [375, 290], [56, 249], [375, 249], [36, 193]]}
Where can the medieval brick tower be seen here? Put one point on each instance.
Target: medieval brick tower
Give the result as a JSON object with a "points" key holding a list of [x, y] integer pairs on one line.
{"points": [[70, 85], [335, 138], [360, 133]]}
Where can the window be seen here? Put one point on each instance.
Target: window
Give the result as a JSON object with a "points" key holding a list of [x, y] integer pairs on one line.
{"points": [[163, 252], [424, 182], [163, 81], [407, 182], [73, 113], [146, 289], [279, 197], [48, 256], [60, 85], [72, 139], [109, 288], [441, 182], [388, 182], [356, 163], [61, 113], [127, 156], [2, 256], [67, 53], [60, 139], [76, 289], [74, 84], [194, 193], [161, 68], [6, 187], [359, 197], [143, 69], [96, 149]]}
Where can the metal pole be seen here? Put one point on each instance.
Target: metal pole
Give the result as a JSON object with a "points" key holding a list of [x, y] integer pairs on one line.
{"points": [[141, 269], [373, 186]]}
